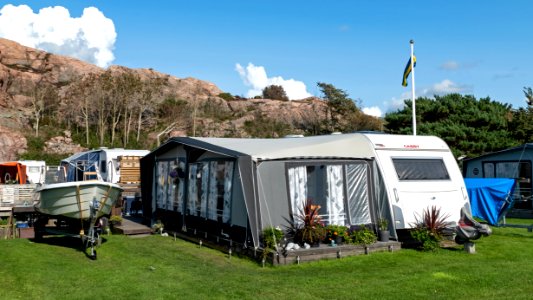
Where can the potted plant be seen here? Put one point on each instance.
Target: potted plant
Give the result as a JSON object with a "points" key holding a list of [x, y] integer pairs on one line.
{"points": [[361, 235], [383, 226], [307, 228], [271, 237], [429, 228], [158, 227], [114, 222], [335, 234]]}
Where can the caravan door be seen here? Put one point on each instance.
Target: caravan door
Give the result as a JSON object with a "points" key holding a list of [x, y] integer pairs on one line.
{"points": [[419, 180]]}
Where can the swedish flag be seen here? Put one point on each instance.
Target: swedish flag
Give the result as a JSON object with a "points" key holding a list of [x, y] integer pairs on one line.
{"points": [[408, 70]]}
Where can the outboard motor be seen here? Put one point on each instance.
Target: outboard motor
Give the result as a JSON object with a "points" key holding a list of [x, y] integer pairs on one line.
{"points": [[469, 229]]}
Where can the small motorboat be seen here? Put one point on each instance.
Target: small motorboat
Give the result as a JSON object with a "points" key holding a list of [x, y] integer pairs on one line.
{"points": [[77, 208], [75, 199]]}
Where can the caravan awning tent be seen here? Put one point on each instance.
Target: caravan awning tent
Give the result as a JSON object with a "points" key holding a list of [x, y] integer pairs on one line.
{"points": [[13, 171], [263, 169]]}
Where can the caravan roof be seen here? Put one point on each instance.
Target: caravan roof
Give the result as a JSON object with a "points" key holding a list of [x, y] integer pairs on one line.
{"points": [[331, 146], [403, 142]]}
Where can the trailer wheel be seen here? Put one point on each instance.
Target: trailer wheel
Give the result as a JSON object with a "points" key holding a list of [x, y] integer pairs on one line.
{"points": [[93, 253]]}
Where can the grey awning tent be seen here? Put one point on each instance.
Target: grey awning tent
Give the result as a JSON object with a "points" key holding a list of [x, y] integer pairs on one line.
{"points": [[249, 152]]}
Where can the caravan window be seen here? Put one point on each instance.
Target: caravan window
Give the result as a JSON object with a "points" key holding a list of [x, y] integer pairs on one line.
{"points": [[103, 166], [34, 169], [420, 169], [519, 170]]}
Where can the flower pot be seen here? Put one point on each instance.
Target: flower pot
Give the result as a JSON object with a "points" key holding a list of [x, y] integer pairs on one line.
{"points": [[26, 233], [384, 235]]}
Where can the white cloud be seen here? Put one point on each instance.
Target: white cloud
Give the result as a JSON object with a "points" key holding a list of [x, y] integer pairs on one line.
{"points": [[90, 37], [373, 111], [444, 87], [395, 104], [450, 65], [256, 78], [441, 88]]}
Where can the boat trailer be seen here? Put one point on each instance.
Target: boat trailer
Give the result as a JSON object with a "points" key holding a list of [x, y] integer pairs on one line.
{"points": [[88, 230]]}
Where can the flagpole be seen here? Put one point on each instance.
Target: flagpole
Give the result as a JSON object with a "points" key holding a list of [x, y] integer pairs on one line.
{"points": [[412, 42]]}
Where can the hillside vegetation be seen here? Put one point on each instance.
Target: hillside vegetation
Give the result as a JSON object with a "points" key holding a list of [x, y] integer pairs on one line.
{"points": [[44, 95]]}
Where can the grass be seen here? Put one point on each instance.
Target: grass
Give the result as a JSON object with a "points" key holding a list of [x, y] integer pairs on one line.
{"points": [[158, 267]]}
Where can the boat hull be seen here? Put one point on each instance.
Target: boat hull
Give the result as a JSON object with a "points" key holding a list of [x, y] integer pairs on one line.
{"points": [[74, 199]]}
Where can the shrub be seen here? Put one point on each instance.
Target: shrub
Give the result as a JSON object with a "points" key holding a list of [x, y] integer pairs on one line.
{"points": [[429, 228], [361, 235], [427, 240], [226, 96], [275, 92], [272, 236]]}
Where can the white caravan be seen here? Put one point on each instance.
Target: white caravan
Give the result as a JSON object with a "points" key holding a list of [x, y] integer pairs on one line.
{"points": [[103, 161], [109, 165], [419, 172], [35, 170]]}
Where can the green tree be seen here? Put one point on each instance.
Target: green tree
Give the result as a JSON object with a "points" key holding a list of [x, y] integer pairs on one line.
{"points": [[265, 127], [528, 92], [275, 92], [342, 114], [470, 127], [522, 123]]}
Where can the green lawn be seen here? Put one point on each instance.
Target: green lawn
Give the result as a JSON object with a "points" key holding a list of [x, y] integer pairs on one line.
{"points": [[158, 267]]}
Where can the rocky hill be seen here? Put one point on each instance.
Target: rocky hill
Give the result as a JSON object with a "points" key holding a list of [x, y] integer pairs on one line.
{"points": [[24, 71]]}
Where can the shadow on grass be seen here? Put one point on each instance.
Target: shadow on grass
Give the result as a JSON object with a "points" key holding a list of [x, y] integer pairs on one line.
{"points": [[67, 241]]}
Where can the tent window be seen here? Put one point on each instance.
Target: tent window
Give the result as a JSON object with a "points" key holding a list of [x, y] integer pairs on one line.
{"points": [[323, 185], [209, 190], [198, 183], [488, 170], [177, 174], [420, 169], [162, 184], [297, 188], [519, 170], [357, 182], [221, 175], [192, 190]]}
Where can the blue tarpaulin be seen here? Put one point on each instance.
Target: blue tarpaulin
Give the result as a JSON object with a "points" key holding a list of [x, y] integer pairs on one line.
{"points": [[490, 198]]}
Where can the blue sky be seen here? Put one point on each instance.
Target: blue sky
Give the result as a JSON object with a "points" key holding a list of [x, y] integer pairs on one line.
{"points": [[481, 48]]}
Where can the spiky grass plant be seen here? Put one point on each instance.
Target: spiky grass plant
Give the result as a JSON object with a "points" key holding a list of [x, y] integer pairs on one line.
{"points": [[429, 227]]}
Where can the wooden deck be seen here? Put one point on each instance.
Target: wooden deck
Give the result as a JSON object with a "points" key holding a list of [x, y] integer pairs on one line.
{"points": [[132, 226]]}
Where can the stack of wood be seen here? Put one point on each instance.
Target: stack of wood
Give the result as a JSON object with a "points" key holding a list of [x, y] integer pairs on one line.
{"points": [[130, 175]]}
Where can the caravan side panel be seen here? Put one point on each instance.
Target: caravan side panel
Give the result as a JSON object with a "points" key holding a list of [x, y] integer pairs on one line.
{"points": [[239, 216]]}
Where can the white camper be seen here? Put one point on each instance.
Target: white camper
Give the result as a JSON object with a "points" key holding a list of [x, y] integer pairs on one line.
{"points": [[35, 170], [419, 172], [103, 161], [109, 165]]}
